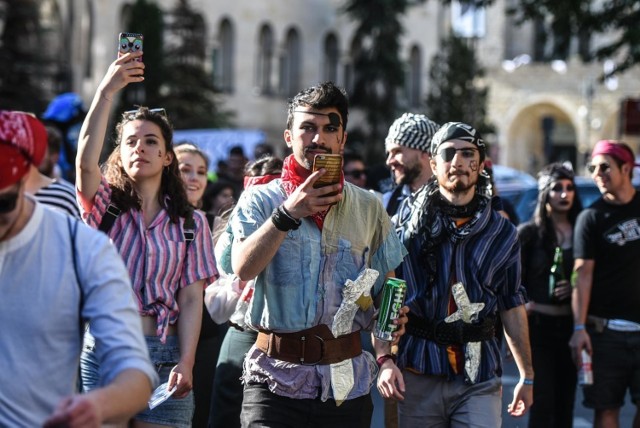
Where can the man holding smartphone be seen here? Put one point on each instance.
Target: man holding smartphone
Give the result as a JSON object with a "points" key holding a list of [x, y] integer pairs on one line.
{"points": [[306, 249]]}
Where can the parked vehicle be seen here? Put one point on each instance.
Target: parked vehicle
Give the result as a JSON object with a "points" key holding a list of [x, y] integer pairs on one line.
{"points": [[521, 189]]}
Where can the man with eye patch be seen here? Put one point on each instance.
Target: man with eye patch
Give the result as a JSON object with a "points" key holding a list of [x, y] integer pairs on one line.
{"points": [[606, 297], [462, 274], [309, 250]]}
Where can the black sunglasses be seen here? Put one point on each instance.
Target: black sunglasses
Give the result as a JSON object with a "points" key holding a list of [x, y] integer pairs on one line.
{"points": [[604, 167], [448, 153], [356, 173]]}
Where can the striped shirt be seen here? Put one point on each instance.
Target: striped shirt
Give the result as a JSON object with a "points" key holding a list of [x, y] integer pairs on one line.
{"points": [[60, 195], [156, 255], [487, 262]]}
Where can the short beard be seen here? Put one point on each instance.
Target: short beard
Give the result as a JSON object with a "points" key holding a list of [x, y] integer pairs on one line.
{"points": [[459, 187], [411, 173]]}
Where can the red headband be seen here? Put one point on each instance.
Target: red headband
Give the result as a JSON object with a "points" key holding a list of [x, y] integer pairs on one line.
{"points": [[615, 149]]}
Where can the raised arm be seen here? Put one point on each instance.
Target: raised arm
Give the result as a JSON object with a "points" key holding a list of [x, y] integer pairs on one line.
{"points": [[121, 72], [250, 256]]}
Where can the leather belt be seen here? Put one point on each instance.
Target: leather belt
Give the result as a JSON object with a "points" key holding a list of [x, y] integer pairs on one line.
{"points": [[315, 345], [455, 333]]}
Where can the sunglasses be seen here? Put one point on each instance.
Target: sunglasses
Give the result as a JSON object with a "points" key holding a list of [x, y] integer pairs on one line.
{"points": [[356, 173], [604, 168], [130, 114], [559, 188], [448, 154]]}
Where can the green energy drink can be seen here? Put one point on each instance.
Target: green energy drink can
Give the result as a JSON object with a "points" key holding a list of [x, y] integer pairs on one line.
{"points": [[393, 293]]}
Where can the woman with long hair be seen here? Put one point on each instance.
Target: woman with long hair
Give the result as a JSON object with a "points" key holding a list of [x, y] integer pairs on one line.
{"points": [[543, 240], [139, 199]]}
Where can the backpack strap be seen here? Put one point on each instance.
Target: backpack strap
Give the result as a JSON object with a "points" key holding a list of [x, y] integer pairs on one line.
{"points": [[109, 218], [73, 228], [189, 228]]}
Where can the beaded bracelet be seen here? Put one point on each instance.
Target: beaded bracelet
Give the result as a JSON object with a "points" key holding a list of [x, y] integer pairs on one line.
{"points": [[526, 381]]}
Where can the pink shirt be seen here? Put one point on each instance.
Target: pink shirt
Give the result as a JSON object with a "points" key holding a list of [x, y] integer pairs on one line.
{"points": [[156, 256]]}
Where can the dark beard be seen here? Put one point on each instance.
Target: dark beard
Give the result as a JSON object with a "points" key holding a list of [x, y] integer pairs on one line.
{"points": [[460, 187], [410, 174]]}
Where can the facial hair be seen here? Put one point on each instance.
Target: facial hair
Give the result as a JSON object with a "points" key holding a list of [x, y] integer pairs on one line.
{"points": [[459, 187], [411, 173]]}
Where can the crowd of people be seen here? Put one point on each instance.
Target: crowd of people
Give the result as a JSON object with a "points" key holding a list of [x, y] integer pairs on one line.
{"points": [[250, 301]]}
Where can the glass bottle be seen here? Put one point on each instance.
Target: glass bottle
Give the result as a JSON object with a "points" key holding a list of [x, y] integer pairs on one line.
{"points": [[556, 273]]}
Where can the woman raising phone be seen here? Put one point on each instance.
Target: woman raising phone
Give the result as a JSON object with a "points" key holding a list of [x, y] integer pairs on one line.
{"points": [[138, 198]]}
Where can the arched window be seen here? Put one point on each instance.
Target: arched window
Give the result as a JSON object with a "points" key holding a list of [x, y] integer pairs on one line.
{"points": [[223, 58], [331, 58], [265, 60], [414, 78], [349, 66], [56, 73], [290, 64], [87, 25]]}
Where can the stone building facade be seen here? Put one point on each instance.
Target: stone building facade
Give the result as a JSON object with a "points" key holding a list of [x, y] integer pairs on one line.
{"points": [[264, 51]]}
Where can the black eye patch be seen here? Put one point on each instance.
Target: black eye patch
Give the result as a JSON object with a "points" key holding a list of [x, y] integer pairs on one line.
{"points": [[334, 119]]}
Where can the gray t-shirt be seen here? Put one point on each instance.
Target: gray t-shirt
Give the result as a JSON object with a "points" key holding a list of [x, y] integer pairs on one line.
{"points": [[41, 334]]}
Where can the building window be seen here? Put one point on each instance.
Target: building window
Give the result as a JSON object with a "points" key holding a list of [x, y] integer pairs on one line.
{"points": [[265, 60], [414, 78], [223, 58], [331, 58], [87, 26], [290, 64]]}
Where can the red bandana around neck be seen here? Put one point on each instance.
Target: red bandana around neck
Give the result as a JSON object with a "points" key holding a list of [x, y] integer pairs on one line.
{"points": [[293, 175]]}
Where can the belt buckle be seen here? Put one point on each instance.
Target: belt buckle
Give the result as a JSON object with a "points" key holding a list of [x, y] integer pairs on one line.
{"points": [[303, 339]]}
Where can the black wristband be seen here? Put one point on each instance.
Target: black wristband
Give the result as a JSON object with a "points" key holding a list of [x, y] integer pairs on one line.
{"points": [[283, 221]]}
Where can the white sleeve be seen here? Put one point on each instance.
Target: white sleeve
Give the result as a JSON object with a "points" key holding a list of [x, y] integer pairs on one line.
{"points": [[221, 297]]}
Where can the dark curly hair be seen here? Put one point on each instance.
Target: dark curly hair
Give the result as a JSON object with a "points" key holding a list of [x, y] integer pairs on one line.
{"points": [[124, 194]]}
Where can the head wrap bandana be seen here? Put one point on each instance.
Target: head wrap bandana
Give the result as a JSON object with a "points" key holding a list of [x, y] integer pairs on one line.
{"points": [[615, 149], [457, 131], [412, 130], [23, 142], [552, 173]]}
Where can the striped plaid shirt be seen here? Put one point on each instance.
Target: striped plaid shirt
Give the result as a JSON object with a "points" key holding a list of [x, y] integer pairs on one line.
{"points": [[156, 256], [487, 262]]}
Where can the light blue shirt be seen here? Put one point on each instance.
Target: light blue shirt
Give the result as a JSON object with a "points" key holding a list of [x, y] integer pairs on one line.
{"points": [[302, 285]]}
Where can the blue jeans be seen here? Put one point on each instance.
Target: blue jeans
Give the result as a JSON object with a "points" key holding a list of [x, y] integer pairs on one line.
{"points": [[173, 412], [263, 408]]}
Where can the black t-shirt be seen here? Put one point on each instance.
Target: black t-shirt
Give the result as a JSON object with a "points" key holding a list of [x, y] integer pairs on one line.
{"points": [[610, 236]]}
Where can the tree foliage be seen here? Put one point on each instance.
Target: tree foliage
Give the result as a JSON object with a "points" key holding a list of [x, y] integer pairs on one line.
{"points": [[29, 76], [188, 92], [378, 70], [584, 18], [175, 76], [453, 94]]}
